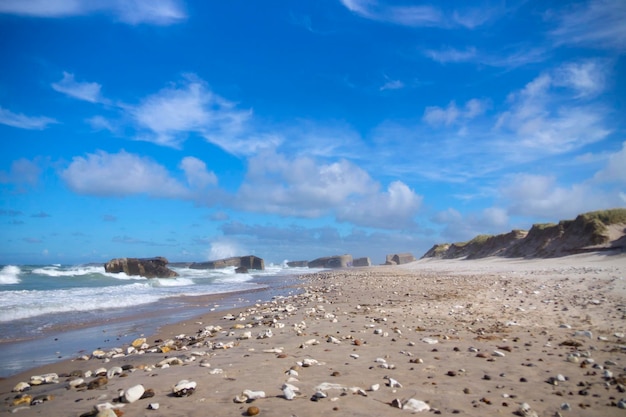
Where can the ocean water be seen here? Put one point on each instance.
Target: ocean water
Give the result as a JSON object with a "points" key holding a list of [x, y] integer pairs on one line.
{"points": [[48, 313]]}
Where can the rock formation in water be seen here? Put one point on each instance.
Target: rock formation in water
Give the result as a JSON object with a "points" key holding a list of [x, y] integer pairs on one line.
{"points": [[145, 267]]}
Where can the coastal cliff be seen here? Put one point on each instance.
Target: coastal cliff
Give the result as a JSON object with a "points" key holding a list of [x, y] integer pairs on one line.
{"points": [[589, 232]]}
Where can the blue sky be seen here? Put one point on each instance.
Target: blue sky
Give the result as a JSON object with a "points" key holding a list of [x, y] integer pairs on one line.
{"points": [[292, 130]]}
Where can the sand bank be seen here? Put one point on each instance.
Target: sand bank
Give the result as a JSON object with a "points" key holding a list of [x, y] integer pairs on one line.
{"points": [[472, 338]]}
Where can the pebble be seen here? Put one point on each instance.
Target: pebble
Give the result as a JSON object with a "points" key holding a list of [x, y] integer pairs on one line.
{"points": [[132, 394], [21, 386], [184, 388], [415, 406], [252, 411]]}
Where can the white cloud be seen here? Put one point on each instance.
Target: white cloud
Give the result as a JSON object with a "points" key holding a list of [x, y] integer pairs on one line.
{"points": [[305, 188], [505, 59], [123, 174], [543, 118], [158, 12], [434, 115], [393, 209], [615, 169], [169, 116], [597, 24], [22, 121], [587, 78], [446, 55], [541, 196], [392, 85], [196, 172], [416, 16], [81, 90]]}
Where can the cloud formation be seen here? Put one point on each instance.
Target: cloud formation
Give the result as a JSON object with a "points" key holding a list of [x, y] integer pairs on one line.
{"points": [[80, 90], [21, 121], [123, 174], [156, 12], [597, 24]]}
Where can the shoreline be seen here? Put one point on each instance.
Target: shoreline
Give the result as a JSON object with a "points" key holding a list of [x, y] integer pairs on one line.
{"points": [[56, 345], [474, 338]]}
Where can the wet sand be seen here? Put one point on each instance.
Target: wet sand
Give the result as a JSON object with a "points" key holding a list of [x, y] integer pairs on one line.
{"points": [[473, 338]]}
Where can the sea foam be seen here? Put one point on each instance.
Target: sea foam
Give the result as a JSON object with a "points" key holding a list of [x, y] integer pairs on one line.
{"points": [[10, 275]]}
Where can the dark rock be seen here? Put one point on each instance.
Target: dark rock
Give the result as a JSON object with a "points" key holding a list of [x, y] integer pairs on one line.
{"points": [[249, 262], [241, 270], [145, 267]]}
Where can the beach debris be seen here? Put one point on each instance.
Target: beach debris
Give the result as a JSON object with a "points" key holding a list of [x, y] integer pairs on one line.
{"points": [[50, 378], [132, 394], [392, 383], [289, 391], [524, 410], [22, 399], [248, 396], [98, 382], [76, 382], [115, 370], [583, 333], [153, 406], [319, 395], [414, 406], [267, 333], [20, 387], [184, 388]]}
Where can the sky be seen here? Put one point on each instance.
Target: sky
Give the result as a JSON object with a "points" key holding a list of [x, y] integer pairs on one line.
{"points": [[198, 130]]}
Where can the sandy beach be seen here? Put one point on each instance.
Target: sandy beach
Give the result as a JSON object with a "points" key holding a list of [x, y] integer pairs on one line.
{"points": [[475, 338]]}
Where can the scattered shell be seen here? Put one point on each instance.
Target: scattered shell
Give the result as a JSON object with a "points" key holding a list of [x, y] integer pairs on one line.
{"points": [[393, 383], [137, 343], [50, 378], [265, 334], [374, 387], [132, 394], [288, 392], [184, 388], [524, 410], [116, 370], [98, 382], [498, 354], [254, 395], [41, 399], [22, 399], [205, 363], [430, 340], [21, 386], [415, 406], [153, 406]]}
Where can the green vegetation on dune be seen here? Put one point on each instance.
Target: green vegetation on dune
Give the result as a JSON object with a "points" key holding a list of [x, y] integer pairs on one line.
{"points": [[608, 217]]}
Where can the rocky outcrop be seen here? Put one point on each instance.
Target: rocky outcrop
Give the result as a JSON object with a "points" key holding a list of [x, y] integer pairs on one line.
{"points": [[339, 261], [590, 232], [144, 267], [248, 262], [360, 262], [399, 259]]}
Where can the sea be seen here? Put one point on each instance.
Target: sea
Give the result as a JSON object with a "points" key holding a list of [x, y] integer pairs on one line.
{"points": [[49, 313]]}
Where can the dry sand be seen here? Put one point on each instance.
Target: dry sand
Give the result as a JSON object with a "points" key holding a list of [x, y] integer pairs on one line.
{"points": [[473, 338]]}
